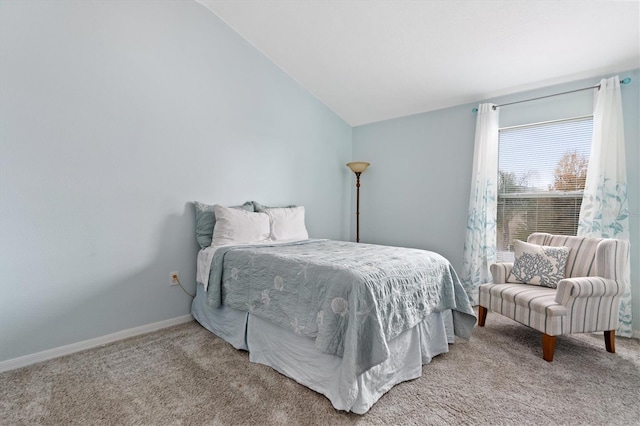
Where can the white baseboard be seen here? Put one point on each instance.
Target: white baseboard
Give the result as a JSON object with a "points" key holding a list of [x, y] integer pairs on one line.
{"points": [[23, 361]]}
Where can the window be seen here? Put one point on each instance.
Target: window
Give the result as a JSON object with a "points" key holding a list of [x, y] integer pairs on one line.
{"points": [[542, 171]]}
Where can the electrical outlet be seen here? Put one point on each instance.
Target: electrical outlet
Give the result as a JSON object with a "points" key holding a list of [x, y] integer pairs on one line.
{"points": [[174, 277]]}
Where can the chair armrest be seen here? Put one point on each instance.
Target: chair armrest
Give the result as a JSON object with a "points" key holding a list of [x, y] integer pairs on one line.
{"points": [[500, 272], [573, 288]]}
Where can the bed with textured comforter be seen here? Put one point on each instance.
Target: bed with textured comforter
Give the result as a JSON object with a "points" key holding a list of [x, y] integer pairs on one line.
{"points": [[350, 300]]}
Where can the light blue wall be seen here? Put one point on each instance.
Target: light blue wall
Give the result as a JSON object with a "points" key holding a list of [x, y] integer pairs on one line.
{"points": [[416, 192], [115, 115], [412, 194]]}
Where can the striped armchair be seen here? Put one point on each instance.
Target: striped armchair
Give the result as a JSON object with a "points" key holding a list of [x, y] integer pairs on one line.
{"points": [[587, 300]]}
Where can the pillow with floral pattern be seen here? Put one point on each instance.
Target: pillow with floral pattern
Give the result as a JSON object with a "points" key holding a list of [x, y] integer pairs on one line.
{"points": [[538, 265]]}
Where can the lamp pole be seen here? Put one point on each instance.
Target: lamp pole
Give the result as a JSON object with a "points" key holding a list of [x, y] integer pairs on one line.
{"points": [[358, 206]]}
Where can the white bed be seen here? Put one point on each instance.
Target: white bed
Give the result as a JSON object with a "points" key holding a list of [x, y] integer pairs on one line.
{"points": [[391, 319]]}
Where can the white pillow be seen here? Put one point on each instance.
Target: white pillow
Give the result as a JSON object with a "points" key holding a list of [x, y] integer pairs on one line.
{"points": [[235, 226], [287, 223], [538, 265]]}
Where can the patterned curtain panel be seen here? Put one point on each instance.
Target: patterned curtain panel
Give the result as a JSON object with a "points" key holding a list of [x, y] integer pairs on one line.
{"points": [[480, 242], [605, 210]]}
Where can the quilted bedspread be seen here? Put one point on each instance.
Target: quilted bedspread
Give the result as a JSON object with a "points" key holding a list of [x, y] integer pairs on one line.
{"points": [[350, 298]]}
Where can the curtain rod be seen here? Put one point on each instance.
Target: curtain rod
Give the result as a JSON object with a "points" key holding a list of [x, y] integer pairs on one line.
{"points": [[597, 86]]}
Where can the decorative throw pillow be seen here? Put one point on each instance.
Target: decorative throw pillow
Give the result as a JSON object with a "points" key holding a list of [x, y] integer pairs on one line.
{"points": [[538, 265], [238, 226], [287, 223], [206, 220]]}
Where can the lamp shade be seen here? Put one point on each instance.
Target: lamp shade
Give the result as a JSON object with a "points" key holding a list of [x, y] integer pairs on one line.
{"points": [[358, 166]]}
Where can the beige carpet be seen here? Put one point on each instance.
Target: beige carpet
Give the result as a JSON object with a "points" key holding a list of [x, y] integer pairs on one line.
{"points": [[184, 375]]}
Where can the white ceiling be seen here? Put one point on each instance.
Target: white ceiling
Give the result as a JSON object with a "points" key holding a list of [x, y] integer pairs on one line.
{"points": [[374, 60]]}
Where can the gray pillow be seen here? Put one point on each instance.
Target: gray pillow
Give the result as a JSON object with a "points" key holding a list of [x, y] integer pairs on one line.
{"points": [[257, 207], [206, 220]]}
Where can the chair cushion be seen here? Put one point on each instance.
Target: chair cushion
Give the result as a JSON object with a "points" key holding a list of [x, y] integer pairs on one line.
{"points": [[538, 265], [528, 304], [539, 299]]}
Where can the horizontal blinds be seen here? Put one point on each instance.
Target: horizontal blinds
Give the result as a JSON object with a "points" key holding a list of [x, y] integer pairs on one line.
{"points": [[542, 171]]}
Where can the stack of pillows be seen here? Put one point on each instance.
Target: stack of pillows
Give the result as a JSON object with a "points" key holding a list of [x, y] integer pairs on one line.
{"points": [[538, 265], [250, 223]]}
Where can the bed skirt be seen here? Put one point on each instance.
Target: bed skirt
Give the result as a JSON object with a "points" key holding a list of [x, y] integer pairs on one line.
{"points": [[297, 357]]}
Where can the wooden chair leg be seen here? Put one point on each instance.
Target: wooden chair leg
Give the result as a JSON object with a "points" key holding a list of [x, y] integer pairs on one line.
{"points": [[548, 347], [610, 341], [482, 315]]}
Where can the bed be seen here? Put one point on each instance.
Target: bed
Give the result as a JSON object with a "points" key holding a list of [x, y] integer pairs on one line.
{"points": [[348, 320]]}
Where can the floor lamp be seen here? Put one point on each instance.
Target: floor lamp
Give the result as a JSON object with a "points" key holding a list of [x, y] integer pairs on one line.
{"points": [[358, 167]]}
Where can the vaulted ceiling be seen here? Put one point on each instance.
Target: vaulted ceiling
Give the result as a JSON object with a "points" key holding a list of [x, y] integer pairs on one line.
{"points": [[374, 60]]}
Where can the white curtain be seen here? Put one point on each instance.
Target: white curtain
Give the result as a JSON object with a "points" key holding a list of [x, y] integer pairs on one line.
{"points": [[605, 210], [480, 242]]}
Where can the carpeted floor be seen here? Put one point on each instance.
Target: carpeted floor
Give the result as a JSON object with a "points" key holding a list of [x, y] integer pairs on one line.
{"points": [[184, 375]]}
